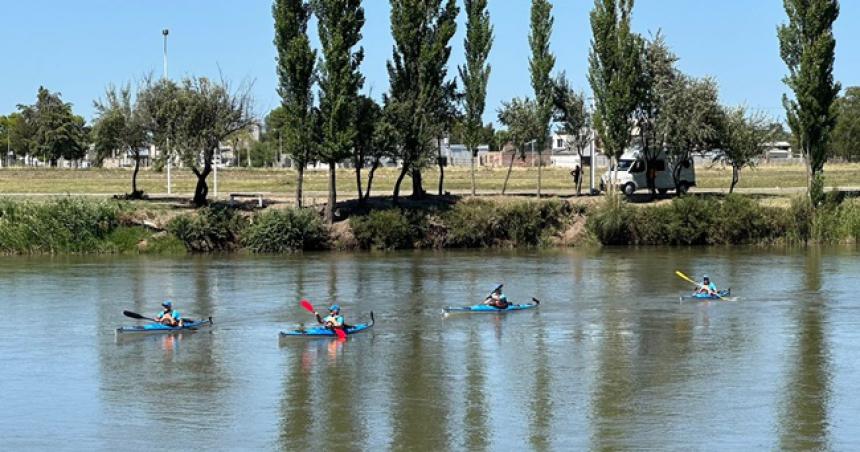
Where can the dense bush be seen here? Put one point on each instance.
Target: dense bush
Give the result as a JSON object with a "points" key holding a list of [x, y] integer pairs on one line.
{"points": [[64, 226], [386, 230], [478, 223], [208, 229], [280, 231], [611, 222]]}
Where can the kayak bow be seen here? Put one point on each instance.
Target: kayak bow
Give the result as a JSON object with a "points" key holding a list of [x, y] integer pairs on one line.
{"points": [[321, 331], [724, 295], [159, 328], [483, 308]]}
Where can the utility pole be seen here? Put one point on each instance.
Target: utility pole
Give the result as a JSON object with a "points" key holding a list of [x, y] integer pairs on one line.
{"points": [[166, 151]]}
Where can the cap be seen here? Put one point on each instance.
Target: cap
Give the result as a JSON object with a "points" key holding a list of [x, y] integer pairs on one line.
{"points": [[334, 307], [167, 304]]}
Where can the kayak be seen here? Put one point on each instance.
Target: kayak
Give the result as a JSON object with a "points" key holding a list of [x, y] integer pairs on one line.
{"points": [[321, 331], [159, 328], [725, 295], [482, 308]]}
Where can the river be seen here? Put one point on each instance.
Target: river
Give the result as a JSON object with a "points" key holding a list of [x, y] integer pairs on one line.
{"points": [[610, 360]]}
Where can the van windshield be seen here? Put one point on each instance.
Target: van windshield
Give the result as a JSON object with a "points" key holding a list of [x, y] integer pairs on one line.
{"points": [[624, 165]]}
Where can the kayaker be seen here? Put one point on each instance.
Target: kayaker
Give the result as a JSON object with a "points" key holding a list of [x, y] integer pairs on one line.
{"points": [[707, 287], [497, 299], [169, 316], [333, 319]]}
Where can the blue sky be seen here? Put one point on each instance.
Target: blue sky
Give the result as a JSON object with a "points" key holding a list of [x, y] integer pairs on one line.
{"points": [[78, 48]]}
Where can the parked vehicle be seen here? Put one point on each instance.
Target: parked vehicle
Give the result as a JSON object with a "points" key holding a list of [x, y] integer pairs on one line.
{"points": [[632, 177]]}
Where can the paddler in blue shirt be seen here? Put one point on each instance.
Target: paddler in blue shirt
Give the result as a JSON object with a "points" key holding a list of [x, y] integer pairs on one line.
{"points": [[333, 319], [707, 287], [169, 316], [497, 299]]}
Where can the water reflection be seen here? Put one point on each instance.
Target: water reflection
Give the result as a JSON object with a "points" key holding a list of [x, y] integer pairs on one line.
{"points": [[804, 412]]}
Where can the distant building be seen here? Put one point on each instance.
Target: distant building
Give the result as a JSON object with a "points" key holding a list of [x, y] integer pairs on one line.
{"points": [[778, 150], [458, 154]]}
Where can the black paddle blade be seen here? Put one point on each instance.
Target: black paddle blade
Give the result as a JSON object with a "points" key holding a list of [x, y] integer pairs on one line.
{"points": [[134, 315]]}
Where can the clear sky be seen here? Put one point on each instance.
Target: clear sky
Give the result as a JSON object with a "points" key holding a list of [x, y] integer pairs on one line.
{"points": [[79, 47]]}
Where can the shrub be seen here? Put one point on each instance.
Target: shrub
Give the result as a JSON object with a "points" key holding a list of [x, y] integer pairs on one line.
{"points": [[67, 225], [209, 229], [279, 231], [384, 230], [473, 223], [611, 221]]}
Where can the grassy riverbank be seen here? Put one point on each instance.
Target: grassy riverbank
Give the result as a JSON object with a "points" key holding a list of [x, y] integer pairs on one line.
{"points": [[280, 183], [75, 225]]}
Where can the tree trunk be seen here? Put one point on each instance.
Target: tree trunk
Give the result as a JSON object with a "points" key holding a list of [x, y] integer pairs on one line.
{"points": [[300, 179], [332, 194], [510, 167], [735, 176], [134, 193], [358, 179], [201, 191], [540, 172], [473, 173], [370, 179], [403, 172], [417, 185]]}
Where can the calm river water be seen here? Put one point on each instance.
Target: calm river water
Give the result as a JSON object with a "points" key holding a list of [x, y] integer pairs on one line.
{"points": [[610, 360]]}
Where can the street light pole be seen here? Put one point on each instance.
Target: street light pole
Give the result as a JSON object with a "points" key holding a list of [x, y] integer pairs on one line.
{"points": [[164, 33], [593, 149]]}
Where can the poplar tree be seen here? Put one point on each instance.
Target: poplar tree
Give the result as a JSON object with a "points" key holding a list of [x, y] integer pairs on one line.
{"points": [[296, 62], [541, 63], [475, 75], [340, 23], [614, 75], [807, 46], [422, 30]]}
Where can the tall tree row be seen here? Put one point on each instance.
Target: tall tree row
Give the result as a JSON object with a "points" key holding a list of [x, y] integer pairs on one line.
{"points": [[340, 23], [807, 47], [475, 74], [296, 64], [417, 71], [614, 72], [541, 64]]}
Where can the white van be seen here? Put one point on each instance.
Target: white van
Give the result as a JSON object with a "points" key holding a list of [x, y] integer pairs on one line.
{"points": [[631, 175]]}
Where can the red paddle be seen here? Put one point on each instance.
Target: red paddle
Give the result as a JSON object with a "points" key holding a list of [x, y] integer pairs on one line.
{"points": [[341, 334]]}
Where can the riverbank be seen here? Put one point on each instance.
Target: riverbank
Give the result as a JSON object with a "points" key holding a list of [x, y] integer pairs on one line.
{"points": [[83, 226]]}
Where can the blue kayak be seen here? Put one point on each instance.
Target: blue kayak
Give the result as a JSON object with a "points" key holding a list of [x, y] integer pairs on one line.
{"points": [[321, 331], [725, 295], [159, 328], [482, 308]]}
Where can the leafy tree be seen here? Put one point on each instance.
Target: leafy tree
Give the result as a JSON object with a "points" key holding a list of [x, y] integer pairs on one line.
{"points": [[422, 30], [475, 74], [50, 130], [340, 23], [689, 122], [522, 118], [369, 114], [807, 47], [846, 134], [385, 141], [657, 84], [296, 62], [614, 71], [196, 117], [742, 138], [541, 63], [574, 120], [119, 126], [447, 115]]}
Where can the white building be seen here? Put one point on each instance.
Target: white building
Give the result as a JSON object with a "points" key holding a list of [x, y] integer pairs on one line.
{"points": [[458, 154]]}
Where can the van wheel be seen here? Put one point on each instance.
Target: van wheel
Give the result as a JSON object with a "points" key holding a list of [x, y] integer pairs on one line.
{"points": [[683, 188], [629, 189], [663, 191]]}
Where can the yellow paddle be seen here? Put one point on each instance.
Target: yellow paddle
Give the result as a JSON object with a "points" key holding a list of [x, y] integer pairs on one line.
{"points": [[687, 278]]}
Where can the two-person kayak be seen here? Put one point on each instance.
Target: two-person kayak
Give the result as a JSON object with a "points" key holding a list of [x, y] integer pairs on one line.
{"points": [[322, 332], [188, 325], [722, 295], [487, 309]]}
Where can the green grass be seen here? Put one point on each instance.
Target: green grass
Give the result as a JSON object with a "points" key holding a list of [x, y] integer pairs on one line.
{"points": [[281, 182]]}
